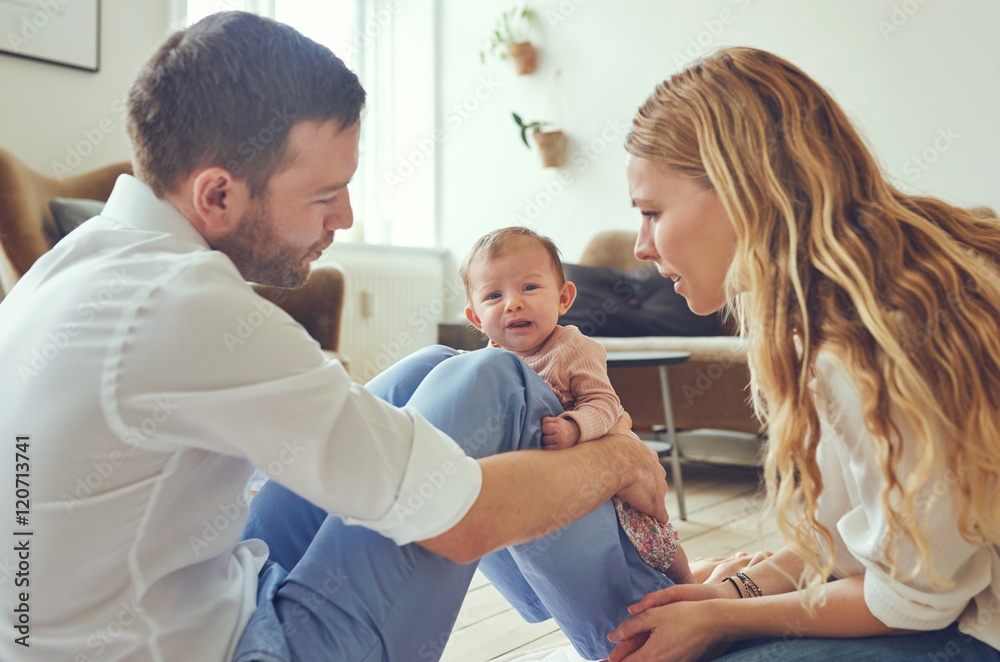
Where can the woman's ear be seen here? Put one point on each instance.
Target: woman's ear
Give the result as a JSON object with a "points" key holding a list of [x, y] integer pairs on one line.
{"points": [[219, 201], [567, 295], [473, 318]]}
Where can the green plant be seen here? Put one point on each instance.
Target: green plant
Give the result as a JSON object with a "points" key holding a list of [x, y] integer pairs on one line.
{"points": [[510, 28], [537, 126]]}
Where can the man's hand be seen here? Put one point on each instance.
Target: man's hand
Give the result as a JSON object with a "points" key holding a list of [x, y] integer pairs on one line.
{"points": [[559, 433], [648, 490]]}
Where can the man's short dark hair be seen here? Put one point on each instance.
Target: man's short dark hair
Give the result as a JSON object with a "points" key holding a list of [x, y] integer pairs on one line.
{"points": [[225, 92]]}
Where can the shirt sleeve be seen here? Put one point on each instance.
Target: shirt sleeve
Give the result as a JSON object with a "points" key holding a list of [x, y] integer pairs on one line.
{"points": [[851, 508], [205, 362], [597, 405]]}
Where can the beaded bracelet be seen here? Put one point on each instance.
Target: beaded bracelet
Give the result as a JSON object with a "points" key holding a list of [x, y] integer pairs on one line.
{"points": [[751, 588], [735, 585]]}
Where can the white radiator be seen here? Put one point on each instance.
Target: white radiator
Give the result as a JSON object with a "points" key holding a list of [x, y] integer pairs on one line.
{"points": [[394, 298]]}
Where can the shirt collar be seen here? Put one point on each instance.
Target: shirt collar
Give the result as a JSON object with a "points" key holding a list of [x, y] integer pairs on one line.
{"points": [[134, 204]]}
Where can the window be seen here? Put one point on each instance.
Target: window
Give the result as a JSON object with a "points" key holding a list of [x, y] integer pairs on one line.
{"points": [[391, 50]]}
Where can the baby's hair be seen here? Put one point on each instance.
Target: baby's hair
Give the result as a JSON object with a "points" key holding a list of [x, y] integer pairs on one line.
{"points": [[499, 242]]}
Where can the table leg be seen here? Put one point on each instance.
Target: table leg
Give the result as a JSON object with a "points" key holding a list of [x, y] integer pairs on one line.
{"points": [[675, 451]]}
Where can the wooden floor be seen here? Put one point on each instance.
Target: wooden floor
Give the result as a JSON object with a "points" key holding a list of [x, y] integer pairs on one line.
{"points": [[723, 516]]}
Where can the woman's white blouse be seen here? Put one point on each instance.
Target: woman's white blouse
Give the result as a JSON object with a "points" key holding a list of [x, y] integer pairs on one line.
{"points": [[851, 507]]}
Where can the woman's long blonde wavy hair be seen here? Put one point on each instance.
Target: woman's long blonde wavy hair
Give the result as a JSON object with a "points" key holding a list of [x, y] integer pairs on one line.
{"points": [[902, 289]]}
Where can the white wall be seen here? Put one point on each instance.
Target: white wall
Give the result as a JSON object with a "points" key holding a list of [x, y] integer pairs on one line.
{"points": [[63, 121], [908, 72]]}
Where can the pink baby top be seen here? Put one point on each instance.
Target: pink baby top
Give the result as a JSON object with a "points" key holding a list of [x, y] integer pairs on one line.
{"points": [[576, 368]]}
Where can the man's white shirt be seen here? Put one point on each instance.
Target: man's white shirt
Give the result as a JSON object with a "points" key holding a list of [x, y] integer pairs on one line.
{"points": [[150, 380]]}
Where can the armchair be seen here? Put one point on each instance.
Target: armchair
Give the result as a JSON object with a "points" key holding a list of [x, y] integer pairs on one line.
{"points": [[28, 229]]}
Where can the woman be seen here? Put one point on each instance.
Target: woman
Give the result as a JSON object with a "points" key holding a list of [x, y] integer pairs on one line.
{"points": [[871, 318]]}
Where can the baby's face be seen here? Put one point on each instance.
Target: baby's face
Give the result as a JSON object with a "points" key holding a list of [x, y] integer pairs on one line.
{"points": [[516, 297]]}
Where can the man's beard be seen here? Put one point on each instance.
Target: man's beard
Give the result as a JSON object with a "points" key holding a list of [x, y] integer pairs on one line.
{"points": [[260, 254]]}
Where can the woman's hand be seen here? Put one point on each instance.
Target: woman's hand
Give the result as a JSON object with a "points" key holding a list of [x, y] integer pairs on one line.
{"points": [[684, 593], [640, 636], [675, 632]]}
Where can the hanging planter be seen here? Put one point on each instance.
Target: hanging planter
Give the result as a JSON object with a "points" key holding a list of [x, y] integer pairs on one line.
{"points": [[509, 39], [524, 56], [552, 147], [551, 144]]}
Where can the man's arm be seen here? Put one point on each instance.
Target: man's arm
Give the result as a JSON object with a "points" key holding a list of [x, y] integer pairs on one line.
{"points": [[526, 494]]}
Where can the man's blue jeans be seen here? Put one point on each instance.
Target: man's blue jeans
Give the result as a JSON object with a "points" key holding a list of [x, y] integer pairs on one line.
{"points": [[343, 593]]}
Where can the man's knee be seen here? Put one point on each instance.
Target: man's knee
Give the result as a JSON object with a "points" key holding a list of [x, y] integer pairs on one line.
{"points": [[438, 351], [431, 355], [494, 358]]}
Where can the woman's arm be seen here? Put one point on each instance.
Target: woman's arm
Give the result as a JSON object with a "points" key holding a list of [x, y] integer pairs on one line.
{"points": [[687, 630], [773, 575], [842, 612]]}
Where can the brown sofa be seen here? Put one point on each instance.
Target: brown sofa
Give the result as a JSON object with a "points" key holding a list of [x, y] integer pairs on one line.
{"points": [[28, 229]]}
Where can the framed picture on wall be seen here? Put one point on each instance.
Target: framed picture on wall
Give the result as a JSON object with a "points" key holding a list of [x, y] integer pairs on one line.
{"points": [[65, 32]]}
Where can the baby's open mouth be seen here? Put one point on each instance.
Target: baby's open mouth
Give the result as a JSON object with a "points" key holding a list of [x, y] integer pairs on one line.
{"points": [[520, 324]]}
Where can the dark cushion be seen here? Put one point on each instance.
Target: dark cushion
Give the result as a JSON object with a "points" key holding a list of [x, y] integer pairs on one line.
{"points": [[71, 212], [617, 303]]}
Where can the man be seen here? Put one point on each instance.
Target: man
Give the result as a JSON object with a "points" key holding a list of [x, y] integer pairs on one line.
{"points": [[136, 439]]}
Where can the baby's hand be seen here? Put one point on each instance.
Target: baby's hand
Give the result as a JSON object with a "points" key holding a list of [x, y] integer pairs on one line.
{"points": [[559, 433]]}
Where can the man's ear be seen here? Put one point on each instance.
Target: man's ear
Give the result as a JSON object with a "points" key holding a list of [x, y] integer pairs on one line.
{"points": [[567, 295], [473, 318], [218, 200]]}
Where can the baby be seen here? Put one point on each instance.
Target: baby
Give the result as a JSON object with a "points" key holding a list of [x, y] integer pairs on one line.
{"points": [[516, 291]]}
